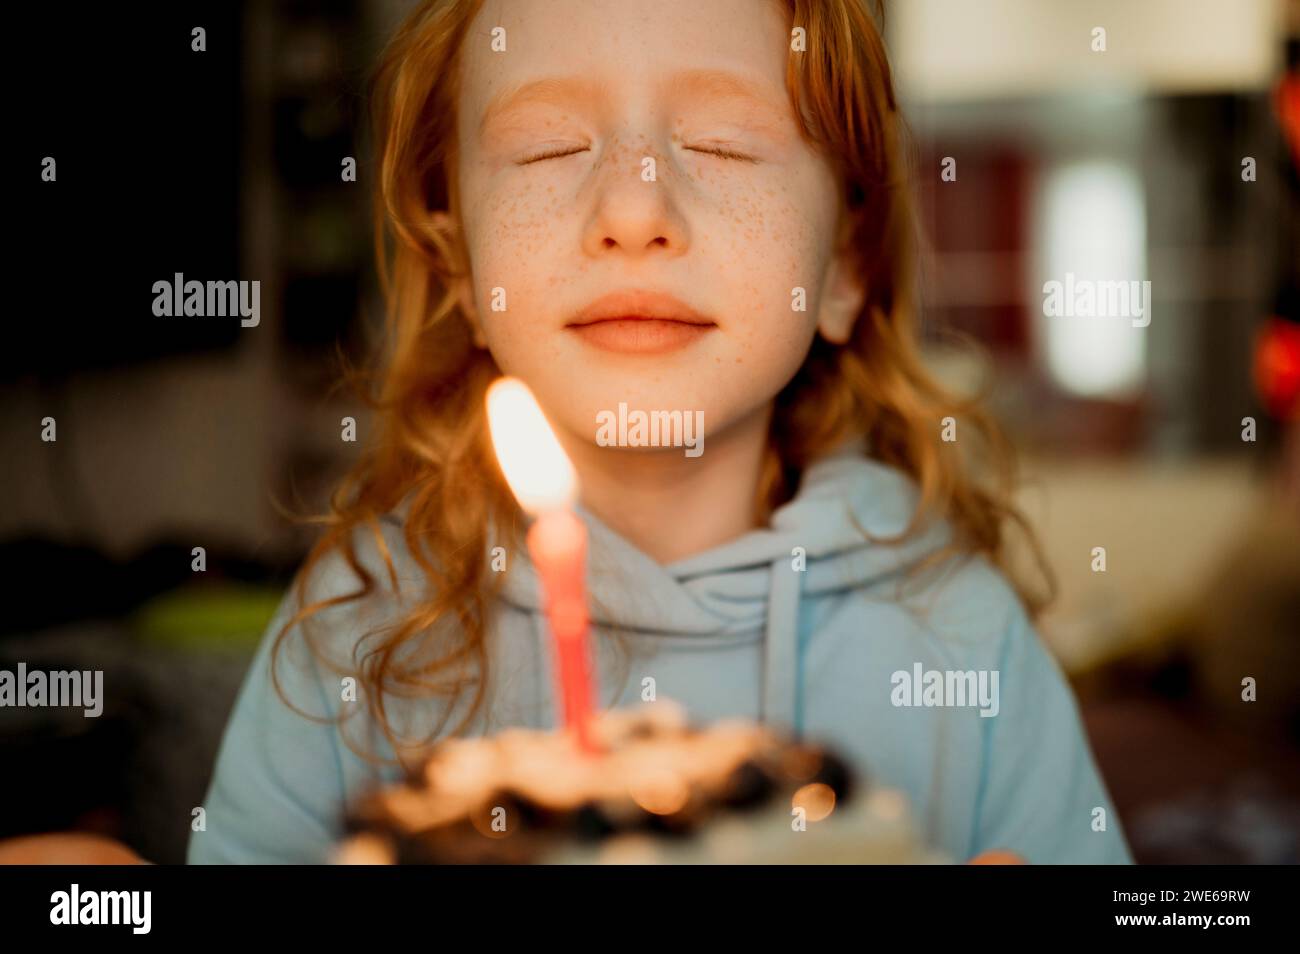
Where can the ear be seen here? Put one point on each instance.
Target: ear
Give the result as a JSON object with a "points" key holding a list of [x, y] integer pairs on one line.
{"points": [[841, 302], [462, 284]]}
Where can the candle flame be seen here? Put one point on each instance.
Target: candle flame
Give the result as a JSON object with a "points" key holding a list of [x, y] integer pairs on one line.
{"points": [[535, 466]]}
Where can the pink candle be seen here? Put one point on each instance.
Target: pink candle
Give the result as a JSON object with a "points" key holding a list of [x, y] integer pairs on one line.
{"points": [[557, 542], [543, 480]]}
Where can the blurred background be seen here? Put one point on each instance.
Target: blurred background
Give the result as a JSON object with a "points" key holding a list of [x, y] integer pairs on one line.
{"points": [[1122, 163]]}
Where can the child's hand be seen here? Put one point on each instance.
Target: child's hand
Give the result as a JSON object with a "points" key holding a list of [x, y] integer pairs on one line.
{"points": [[997, 857], [66, 848]]}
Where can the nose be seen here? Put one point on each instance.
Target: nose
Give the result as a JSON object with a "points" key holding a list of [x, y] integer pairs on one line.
{"points": [[632, 213]]}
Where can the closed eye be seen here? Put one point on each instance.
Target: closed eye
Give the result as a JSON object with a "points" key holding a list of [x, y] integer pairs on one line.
{"points": [[724, 153], [563, 151], [553, 154]]}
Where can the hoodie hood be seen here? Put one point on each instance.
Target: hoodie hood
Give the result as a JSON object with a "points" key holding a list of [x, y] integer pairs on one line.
{"points": [[755, 581]]}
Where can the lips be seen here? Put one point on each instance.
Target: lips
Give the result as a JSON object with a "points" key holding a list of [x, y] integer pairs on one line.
{"points": [[640, 322]]}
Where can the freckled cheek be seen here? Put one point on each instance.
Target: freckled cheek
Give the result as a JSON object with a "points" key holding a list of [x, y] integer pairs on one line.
{"points": [[783, 258], [519, 221], [513, 239]]}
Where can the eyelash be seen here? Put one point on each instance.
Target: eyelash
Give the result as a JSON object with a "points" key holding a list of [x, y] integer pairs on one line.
{"points": [[560, 153], [725, 154], [554, 154]]}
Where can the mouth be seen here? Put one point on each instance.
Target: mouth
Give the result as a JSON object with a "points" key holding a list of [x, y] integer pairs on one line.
{"points": [[640, 323]]}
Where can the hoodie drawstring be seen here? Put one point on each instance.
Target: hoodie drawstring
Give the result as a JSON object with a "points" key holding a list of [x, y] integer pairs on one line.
{"points": [[781, 649]]}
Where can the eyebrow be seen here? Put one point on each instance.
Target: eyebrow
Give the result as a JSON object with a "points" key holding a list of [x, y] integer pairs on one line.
{"points": [[723, 84], [552, 89], [720, 84]]}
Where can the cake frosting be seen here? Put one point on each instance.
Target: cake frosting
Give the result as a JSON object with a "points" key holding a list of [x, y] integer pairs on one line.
{"points": [[658, 790]]}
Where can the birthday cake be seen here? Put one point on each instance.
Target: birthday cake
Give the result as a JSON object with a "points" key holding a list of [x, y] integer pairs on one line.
{"points": [[656, 789]]}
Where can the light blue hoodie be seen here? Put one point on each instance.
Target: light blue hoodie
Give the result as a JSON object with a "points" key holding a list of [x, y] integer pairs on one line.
{"points": [[740, 630]]}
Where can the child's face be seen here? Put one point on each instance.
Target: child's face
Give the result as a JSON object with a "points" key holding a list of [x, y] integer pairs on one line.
{"points": [[730, 238]]}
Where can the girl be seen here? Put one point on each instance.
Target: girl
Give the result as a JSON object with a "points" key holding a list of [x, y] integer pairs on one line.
{"points": [[700, 209]]}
